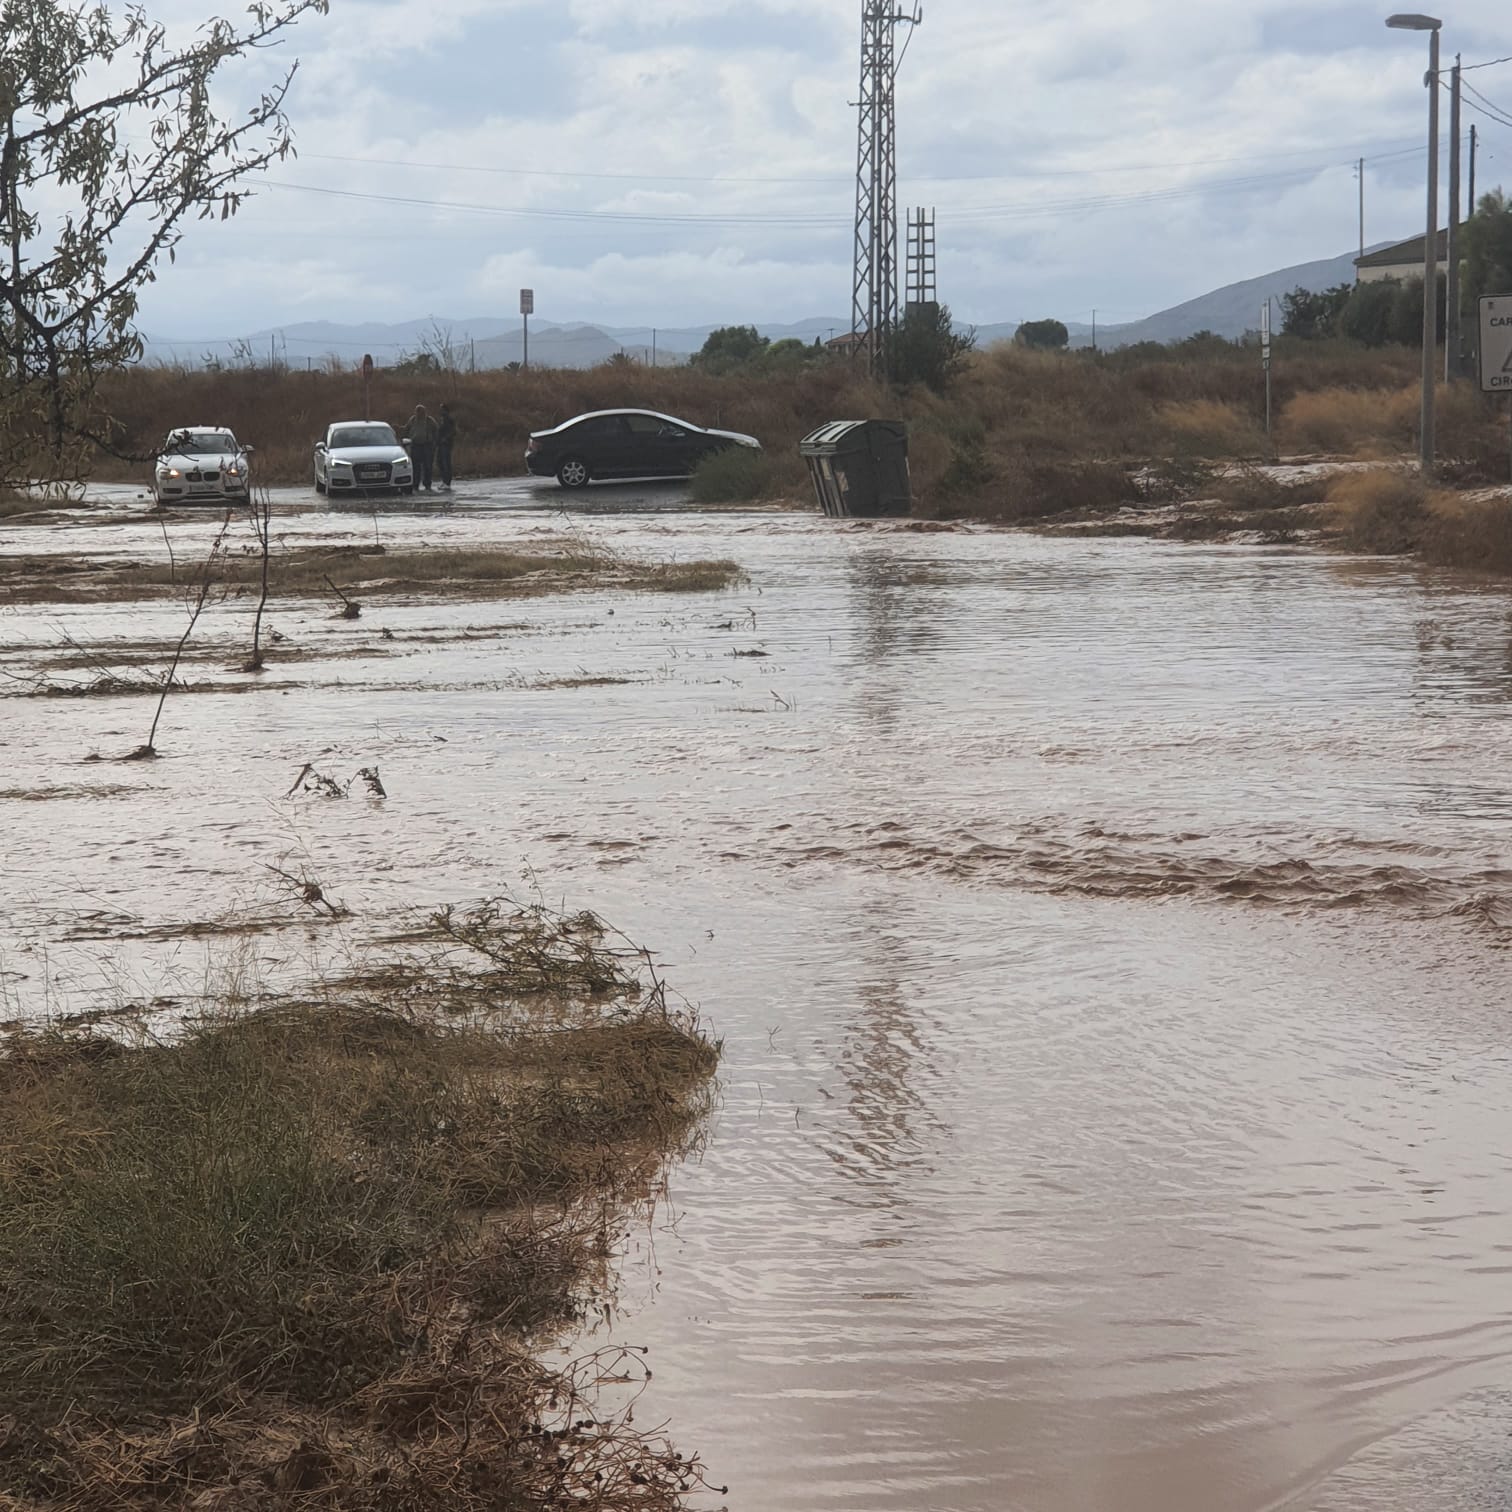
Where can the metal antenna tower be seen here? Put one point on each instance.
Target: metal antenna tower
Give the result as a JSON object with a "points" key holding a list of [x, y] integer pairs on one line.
{"points": [[922, 285], [874, 305]]}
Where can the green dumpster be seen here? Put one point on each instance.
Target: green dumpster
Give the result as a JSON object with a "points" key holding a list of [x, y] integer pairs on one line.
{"points": [[860, 468]]}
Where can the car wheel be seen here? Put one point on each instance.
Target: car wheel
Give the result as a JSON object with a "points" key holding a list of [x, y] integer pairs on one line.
{"points": [[573, 473], [320, 487]]}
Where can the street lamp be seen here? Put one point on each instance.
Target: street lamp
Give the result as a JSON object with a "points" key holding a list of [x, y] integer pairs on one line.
{"points": [[1431, 25]]}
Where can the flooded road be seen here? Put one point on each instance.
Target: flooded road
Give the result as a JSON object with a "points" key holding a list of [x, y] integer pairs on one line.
{"points": [[1109, 941]]}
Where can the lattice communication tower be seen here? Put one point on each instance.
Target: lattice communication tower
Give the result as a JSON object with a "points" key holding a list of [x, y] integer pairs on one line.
{"points": [[922, 287], [874, 305]]}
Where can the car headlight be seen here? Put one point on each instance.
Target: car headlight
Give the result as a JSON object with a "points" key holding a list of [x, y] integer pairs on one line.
{"points": [[233, 469], [340, 465], [169, 472]]}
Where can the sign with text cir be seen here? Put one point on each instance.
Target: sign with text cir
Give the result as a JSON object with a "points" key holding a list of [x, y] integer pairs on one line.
{"points": [[527, 301], [1496, 343]]}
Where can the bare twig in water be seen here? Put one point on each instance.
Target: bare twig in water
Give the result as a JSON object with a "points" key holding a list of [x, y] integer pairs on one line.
{"points": [[196, 608], [350, 607], [312, 780], [262, 525], [308, 891], [172, 565]]}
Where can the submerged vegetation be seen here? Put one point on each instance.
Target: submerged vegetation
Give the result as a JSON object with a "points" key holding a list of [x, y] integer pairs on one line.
{"points": [[1391, 512], [348, 573], [295, 1251]]}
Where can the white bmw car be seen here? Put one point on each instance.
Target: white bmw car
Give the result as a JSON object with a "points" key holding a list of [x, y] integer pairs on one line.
{"points": [[359, 456], [201, 464]]}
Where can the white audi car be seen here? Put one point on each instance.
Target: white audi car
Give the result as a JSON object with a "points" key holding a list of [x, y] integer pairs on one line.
{"points": [[201, 464], [359, 456]]}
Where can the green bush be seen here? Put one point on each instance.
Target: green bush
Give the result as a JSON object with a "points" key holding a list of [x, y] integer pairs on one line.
{"points": [[735, 475]]}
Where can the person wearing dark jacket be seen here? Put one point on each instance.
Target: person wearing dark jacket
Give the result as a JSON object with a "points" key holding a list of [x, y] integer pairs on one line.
{"points": [[446, 436], [421, 440]]}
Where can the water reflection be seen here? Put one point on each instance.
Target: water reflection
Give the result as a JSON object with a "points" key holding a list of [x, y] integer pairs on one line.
{"points": [[887, 1067], [1108, 939]]}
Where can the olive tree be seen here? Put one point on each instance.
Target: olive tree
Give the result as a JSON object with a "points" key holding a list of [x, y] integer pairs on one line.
{"points": [[111, 138]]}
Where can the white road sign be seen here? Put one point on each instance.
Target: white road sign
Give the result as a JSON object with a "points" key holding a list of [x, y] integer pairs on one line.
{"points": [[527, 301], [1496, 344]]}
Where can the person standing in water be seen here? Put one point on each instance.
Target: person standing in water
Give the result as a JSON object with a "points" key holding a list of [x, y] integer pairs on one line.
{"points": [[446, 436], [421, 440]]}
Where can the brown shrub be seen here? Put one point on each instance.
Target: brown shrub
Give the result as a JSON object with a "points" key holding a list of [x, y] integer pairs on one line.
{"points": [[1472, 533], [1212, 428], [1028, 488], [1347, 421], [1252, 488], [1381, 511], [1010, 409]]}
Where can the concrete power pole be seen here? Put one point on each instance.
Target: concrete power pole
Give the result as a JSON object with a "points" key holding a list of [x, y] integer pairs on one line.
{"points": [[1452, 362], [874, 302]]}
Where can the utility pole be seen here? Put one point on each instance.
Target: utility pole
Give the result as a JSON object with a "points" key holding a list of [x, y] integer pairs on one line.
{"points": [[874, 300], [1474, 148], [1430, 259], [653, 346], [1414, 22], [1362, 216], [1094, 330], [1452, 277]]}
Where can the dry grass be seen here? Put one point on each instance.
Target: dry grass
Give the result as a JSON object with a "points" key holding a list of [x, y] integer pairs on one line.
{"points": [[1472, 533], [1349, 422], [1212, 428], [360, 572], [1021, 434], [1381, 511], [1252, 488], [293, 1255]]}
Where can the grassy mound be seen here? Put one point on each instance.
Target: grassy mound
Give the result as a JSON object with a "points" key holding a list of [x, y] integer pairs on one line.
{"points": [[302, 1246], [735, 475]]}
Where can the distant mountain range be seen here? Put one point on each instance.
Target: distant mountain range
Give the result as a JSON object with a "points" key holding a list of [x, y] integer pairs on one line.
{"points": [[491, 342], [486, 341]]}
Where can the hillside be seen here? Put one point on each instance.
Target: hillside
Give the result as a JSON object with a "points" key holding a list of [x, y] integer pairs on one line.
{"points": [[493, 341]]}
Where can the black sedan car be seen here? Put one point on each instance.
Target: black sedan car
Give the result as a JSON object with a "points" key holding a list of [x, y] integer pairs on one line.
{"points": [[625, 444]]}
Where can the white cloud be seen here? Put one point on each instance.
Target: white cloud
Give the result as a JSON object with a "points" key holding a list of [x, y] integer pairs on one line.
{"points": [[1089, 153]]}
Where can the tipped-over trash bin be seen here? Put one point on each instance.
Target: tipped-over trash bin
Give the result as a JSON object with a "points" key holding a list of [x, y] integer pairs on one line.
{"points": [[860, 468]]}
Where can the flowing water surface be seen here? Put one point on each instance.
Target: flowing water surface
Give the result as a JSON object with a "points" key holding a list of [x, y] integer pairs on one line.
{"points": [[1109, 941]]}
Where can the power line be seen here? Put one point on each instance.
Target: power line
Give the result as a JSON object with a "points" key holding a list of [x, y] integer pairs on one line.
{"points": [[1493, 63], [1488, 107], [914, 178], [977, 214]]}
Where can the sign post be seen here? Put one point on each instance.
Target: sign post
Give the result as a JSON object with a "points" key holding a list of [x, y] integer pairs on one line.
{"points": [[367, 383], [1496, 349], [1265, 362], [527, 309]]}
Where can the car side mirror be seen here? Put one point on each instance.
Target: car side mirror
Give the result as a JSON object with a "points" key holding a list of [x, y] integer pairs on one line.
{"points": [[320, 446], [249, 447]]}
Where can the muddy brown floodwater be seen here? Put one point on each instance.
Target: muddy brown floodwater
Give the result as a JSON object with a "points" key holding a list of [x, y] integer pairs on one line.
{"points": [[1109, 941]]}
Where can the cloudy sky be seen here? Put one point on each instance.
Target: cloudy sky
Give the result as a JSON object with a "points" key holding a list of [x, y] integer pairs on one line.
{"points": [[676, 162]]}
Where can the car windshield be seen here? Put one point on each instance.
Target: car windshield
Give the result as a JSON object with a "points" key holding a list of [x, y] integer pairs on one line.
{"points": [[195, 443], [364, 435]]}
